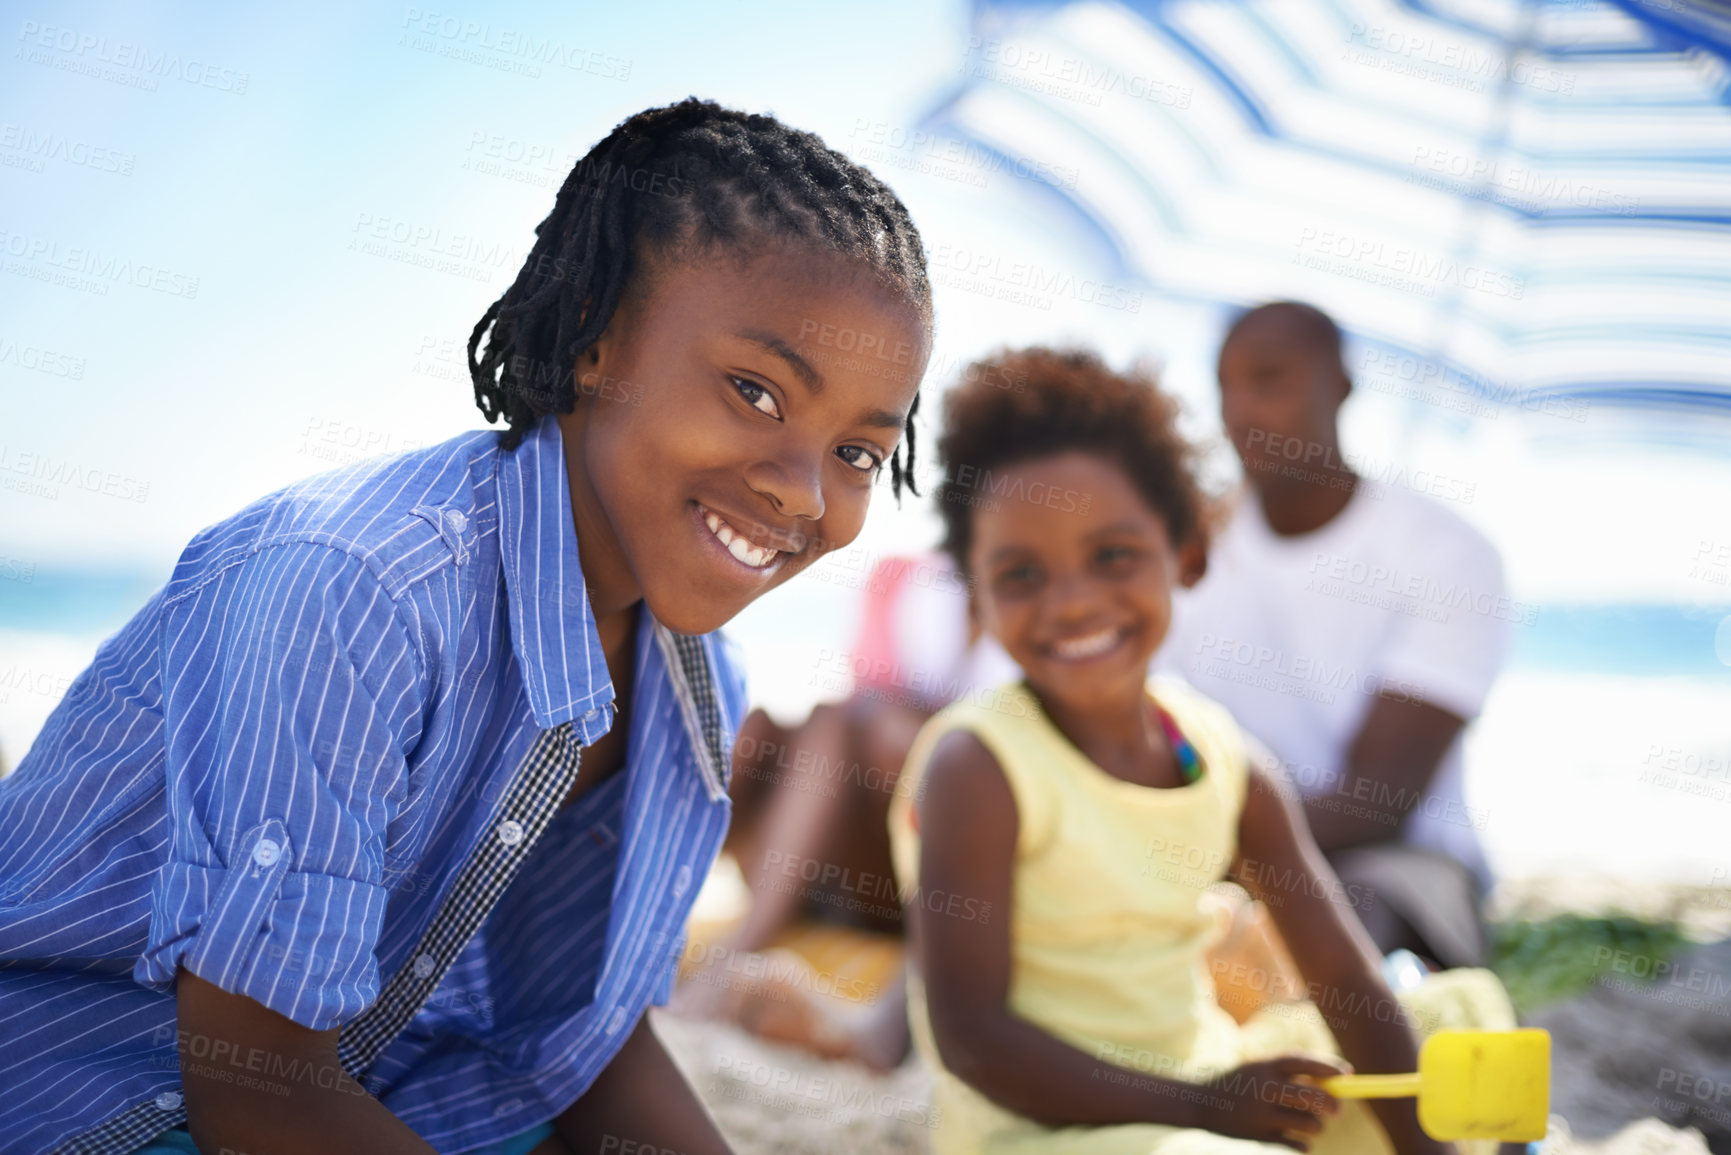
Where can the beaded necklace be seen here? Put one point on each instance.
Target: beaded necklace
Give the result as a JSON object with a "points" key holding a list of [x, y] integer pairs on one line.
{"points": [[1189, 764]]}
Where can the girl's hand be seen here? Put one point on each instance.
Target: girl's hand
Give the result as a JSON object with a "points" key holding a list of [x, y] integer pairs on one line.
{"points": [[1265, 1103]]}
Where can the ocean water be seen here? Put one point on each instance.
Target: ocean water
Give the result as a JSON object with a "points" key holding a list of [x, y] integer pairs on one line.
{"points": [[1605, 747]]}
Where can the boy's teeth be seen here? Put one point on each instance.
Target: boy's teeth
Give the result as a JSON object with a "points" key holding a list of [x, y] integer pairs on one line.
{"points": [[736, 543], [748, 553]]}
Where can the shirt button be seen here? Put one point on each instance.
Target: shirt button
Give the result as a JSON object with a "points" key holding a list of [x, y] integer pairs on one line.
{"points": [[682, 881], [455, 519], [266, 852], [168, 1101], [592, 715], [424, 966], [510, 832], [616, 1020]]}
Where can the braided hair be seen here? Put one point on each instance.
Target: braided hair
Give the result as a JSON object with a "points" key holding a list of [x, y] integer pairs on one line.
{"points": [[688, 176]]}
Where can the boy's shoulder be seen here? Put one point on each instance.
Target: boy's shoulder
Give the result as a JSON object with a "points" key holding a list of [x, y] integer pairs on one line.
{"points": [[1002, 706], [403, 516]]}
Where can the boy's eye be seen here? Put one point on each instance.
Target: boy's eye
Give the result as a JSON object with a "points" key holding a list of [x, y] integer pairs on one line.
{"points": [[1115, 553], [859, 457], [757, 396]]}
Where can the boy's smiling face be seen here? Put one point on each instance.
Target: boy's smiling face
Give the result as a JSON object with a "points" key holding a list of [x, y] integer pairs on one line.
{"points": [[729, 429], [1080, 600]]}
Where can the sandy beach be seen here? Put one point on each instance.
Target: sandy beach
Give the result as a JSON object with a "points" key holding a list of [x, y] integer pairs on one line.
{"points": [[773, 1100], [1640, 1065]]}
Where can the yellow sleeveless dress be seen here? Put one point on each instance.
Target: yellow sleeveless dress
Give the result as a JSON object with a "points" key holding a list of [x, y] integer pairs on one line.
{"points": [[1109, 933]]}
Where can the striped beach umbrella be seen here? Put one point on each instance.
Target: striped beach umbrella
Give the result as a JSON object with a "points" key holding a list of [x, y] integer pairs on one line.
{"points": [[1525, 202]]}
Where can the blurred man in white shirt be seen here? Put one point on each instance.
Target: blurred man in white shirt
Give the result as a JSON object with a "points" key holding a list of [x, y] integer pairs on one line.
{"points": [[1354, 627]]}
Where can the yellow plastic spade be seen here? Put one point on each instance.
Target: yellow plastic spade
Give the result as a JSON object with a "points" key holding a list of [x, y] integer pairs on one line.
{"points": [[1470, 1085]]}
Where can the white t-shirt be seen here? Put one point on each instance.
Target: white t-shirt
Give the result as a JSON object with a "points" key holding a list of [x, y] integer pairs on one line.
{"points": [[1298, 635]]}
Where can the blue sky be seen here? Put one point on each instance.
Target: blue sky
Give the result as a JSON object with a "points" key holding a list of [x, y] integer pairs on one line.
{"points": [[353, 119], [270, 178]]}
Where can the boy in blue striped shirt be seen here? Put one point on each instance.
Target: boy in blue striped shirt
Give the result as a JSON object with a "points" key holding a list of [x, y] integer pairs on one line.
{"points": [[376, 828]]}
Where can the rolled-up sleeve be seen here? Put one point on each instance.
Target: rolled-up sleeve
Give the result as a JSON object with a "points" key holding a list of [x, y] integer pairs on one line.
{"points": [[292, 699], [1450, 657]]}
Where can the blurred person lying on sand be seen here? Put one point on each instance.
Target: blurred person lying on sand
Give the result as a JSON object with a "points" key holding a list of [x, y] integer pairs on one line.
{"points": [[816, 957]]}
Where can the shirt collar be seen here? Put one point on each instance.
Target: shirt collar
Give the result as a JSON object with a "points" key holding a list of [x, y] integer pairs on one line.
{"points": [[553, 630], [552, 625]]}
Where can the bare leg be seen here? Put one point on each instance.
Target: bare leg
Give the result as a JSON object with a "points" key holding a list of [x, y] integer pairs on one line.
{"points": [[881, 1040], [818, 793], [1249, 963], [799, 818], [755, 752]]}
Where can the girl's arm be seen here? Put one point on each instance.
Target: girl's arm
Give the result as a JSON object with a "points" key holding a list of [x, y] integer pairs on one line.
{"points": [[968, 827], [1279, 863]]}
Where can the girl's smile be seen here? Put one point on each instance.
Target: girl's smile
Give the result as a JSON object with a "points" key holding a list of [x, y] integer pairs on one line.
{"points": [[1090, 647], [1081, 600]]}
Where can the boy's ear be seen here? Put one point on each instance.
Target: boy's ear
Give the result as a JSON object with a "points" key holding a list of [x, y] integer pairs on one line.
{"points": [[591, 366], [597, 350], [601, 347], [1192, 561]]}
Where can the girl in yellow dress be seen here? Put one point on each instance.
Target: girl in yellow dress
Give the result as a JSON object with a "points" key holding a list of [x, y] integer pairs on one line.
{"points": [[1061, 834]]}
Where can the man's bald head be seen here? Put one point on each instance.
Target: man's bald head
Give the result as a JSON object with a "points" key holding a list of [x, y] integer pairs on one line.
{"points": [[1296, 324]]}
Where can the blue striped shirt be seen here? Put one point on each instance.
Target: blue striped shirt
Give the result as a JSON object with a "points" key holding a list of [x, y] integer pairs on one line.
{"points": [[306, 770]]}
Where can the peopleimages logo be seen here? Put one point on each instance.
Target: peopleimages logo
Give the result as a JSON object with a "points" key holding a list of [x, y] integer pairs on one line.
{"points": [[1422, 375], [970, 485], [950, 157], [1076, 78], [50, 470], [1521, 185], [40, 360], [1370, 259], [91, 267], [1034, 281], [38, 147], [1423, 588], [1301, 675], [134, 65], [1461, 65], [504, 48]]}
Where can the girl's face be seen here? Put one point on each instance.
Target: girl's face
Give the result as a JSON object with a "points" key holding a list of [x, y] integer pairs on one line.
{"points": [[1073, 575], [731, 425]]}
